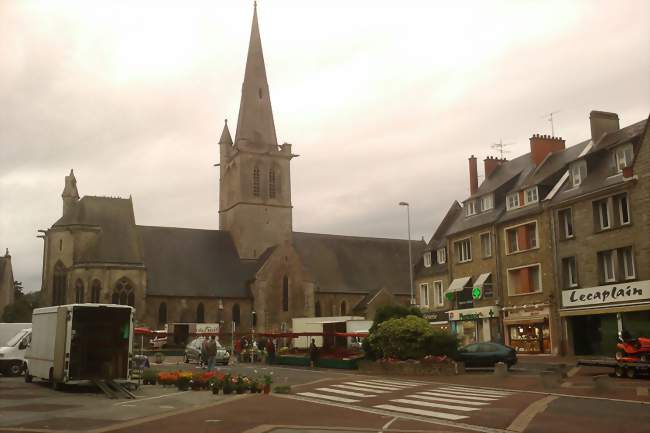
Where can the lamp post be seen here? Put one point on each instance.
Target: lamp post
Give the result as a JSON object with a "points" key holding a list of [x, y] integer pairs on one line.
{"points": [[252, 350], [408, 218]]}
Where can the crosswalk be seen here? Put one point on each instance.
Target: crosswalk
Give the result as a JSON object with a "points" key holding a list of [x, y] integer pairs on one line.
{"points": [[449, 402]]}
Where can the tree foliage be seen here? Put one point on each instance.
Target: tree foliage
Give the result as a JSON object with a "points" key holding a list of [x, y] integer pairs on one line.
{"points": [[402, 338], [21, 309]]}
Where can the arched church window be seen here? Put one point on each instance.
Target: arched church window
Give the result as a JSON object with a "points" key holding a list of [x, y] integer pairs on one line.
{"points": [[344, 308], [200, 313], [59, 284], [256, 181], [317, 309], [272, 183], [236, 316], [96, 292], [162, 313], [285, 293], [79, 291], [124, 293]]}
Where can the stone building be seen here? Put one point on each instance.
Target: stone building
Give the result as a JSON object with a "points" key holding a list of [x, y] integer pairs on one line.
{"points": [[254, 271], [6, 282]]}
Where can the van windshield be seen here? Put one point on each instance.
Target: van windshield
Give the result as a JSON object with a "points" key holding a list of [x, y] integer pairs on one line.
{"points": [[16, 338]]}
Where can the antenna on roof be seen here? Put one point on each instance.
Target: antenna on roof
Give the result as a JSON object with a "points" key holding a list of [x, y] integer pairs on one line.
{"points": [[501, 147], [549, 117]]}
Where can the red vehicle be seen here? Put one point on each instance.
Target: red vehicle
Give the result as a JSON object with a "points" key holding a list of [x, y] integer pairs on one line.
{"points": [[633, 349]]}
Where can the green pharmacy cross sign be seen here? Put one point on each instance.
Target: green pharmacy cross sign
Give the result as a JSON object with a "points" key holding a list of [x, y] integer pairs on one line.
{"points": [[449, 296], [477, 293]]}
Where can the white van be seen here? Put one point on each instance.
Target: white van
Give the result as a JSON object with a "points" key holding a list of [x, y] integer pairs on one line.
{"points": [[12, 354], [77, 343]]}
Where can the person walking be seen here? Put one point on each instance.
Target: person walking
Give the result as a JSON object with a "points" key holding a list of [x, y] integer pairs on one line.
{"points": [[204, 353], [270, 349], [313, 353], [211, 353]]}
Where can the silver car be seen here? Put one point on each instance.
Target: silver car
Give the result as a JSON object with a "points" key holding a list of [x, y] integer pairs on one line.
{"points": [[193, 352]]}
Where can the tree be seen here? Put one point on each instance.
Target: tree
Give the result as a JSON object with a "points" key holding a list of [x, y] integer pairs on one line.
{"points": [[383, 314], [21, 309], [18, 289], [402, 338]]}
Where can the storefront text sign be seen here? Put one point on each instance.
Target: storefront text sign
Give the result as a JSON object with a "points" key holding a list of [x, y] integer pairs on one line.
{"points": [[474, 313], [623, 292]]}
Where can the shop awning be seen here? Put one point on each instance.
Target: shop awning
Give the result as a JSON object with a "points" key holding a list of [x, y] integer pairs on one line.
{"points": [[458, 285], [480, 281]]}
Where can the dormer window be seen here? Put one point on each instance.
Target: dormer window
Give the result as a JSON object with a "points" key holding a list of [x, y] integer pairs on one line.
{"points": [[623, 156], [513, 200], [487, 202], [427, 259], [441, 255], [471, 207], [531, 195], [578, 173]]}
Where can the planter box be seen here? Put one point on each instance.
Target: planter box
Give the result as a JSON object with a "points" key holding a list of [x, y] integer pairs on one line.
{"points": [[409, 368], [292, 360], [348, 364]]}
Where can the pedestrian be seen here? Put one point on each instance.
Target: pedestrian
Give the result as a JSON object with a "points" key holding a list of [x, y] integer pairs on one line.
{"points": [[204, 353], [270, 349], [211, 351], [313, 353], [237, 349]]}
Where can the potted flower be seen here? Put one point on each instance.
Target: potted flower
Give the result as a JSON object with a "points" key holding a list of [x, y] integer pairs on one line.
{"points": [[149, 376], [183, 381], [242, 384], [167, 378], [216, 384], [268, 380], [228, 384]]}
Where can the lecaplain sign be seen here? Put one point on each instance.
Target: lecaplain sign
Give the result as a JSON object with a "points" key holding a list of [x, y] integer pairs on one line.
{"points": [[625, 292]]}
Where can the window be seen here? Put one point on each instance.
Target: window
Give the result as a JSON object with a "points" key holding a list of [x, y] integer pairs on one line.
{"points": [[200, 313], [344, 308], [256, 182], [602, 214], [471, 207], [162, 313], [438, 293], [524, 280], [486, 245], [317, 309], [578, 173], [569, 272], [513, 200], [521, 238], [442, 255], [123, 293], [623, 156], [463, 250], [60, 244], [627, 257], [272, 183], [236, 314], [96, 292], [427, 259], [531, 195], [566, 223], [606, 264], [424, 295], [79, 292], [487, 202], [623, 206], [285, 293]]}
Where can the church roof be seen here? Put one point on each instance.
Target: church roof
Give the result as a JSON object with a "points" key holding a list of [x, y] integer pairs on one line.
{"points": [[195, 262], [255, 124], [347, 264], [117, 239]]}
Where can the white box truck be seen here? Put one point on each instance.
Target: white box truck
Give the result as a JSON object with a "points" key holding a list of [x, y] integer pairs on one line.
{"points": [[12, 352], [77, 343]]}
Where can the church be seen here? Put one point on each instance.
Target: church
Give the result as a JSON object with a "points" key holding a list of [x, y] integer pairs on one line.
{"points": [[254, 270]]}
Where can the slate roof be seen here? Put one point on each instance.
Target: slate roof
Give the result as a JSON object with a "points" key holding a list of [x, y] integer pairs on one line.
{"points": [[117, 241], [504, 173], [195, 262], [438, 240], [347, 264]]}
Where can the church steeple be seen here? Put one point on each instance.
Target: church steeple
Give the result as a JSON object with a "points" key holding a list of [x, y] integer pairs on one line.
{"points": [[70, 194], [225, 134], [255, 126]]}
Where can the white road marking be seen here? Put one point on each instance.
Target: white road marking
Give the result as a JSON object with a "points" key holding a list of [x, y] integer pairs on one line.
{"points": [[385, 427], [422, 412], [327, 397], [371, 385], [149, 398], [481, 391], [212, 420], [340, 391], [447, 394], [524, 418], [435, 405], [360, 388], [394, 383], [448, 400], [166, 407]]}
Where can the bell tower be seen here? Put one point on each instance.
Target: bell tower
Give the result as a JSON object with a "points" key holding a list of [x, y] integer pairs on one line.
{"points": [[254, 183]]}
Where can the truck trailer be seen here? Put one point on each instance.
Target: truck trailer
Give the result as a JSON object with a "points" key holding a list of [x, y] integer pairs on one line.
{"points": [[78, 343]]}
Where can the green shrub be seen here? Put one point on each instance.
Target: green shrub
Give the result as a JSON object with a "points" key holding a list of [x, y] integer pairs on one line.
{"points": [[388, 312], [441, 343], [282, 389], [402, 338]]}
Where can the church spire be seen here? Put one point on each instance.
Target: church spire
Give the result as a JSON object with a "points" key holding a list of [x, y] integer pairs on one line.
{"points": [[225, 134], [255, 127]]}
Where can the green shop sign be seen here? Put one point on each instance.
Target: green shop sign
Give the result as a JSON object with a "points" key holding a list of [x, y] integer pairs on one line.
{"points": [[477, 293]]}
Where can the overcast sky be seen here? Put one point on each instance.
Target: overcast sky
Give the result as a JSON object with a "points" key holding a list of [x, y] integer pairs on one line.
{"points": [[383, 100]]}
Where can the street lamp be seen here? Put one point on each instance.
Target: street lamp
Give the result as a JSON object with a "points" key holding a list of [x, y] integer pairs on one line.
{"points": [[408, 219]]}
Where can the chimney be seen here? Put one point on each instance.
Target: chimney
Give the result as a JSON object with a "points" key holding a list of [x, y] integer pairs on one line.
{"points": [[490, 163], [542, 145], [473, 175], [602, 122]]}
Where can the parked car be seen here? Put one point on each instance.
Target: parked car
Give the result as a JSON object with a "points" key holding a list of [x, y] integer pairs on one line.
{"points": [[193, 352], [486, 355], [12, 354]]}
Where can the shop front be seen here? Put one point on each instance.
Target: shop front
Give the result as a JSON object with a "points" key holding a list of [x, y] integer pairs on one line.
{"points": [[528, 329], [474, 325], [438, 320], [592, 318]]}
